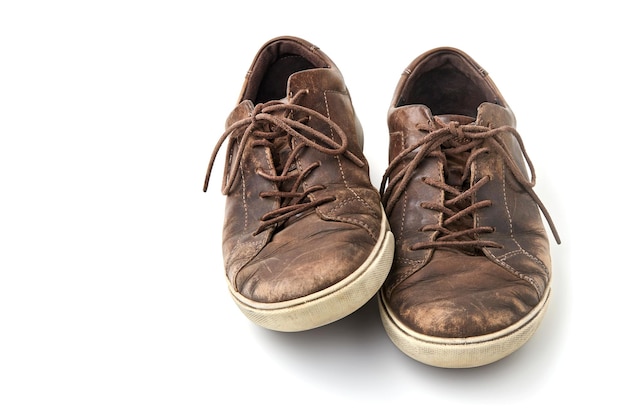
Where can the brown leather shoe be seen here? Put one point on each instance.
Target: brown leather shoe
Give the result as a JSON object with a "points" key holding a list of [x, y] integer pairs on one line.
{"points": [[470, 281], [305, 238]]}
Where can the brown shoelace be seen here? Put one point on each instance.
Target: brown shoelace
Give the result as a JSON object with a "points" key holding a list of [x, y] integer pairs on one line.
{"points": [[268, 125], [453, 142]]}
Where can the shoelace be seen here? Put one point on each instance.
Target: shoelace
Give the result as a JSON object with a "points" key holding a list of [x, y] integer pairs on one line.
{"points": [[467, 139], [267, 122]]}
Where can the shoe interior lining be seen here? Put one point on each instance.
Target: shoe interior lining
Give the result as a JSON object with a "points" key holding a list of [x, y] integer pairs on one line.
{"points": [[274, 85], [448, 85], [273, 67]]}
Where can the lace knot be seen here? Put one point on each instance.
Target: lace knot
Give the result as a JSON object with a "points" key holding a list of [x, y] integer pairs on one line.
{"points": [[256, 111], [456, 130]]}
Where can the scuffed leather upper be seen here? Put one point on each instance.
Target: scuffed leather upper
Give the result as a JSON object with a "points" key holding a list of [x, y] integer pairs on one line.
{"points": [[450, 291], [317, 248], [513, 214]]}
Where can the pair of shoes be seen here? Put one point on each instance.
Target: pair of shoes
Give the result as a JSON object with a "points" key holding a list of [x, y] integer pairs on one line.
{"points": [[453, 241]]}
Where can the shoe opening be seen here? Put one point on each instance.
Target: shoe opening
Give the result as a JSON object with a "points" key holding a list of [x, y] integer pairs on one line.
{"points": [[274, 65], [447, 84]]}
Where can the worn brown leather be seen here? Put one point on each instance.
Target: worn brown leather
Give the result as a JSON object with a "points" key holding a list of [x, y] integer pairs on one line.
{"points": [[301, 213], [483, 270]]}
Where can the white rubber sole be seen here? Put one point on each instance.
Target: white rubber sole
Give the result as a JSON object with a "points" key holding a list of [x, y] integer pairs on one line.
{"points": [[462, 352], [330, 304]]}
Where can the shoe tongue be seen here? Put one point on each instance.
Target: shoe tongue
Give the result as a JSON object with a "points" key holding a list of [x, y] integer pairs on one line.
{"points": [[410, 117], [314, 79], [319, 79], [419, 113], [487, 114], [459, 118]]}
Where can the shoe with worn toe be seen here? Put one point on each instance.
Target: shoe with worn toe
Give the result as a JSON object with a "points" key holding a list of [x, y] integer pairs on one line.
{"points": [[470, 282], [305, 239]]}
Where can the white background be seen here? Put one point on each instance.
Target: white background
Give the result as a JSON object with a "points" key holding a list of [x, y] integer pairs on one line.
{"points": [[112, 295]]}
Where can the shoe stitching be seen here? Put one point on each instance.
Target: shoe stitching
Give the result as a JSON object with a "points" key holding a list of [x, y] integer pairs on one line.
{"points": [[404, 206], [255, 245], [351, 220], [356, 195], [343, 177], [408, 261], [525, 277], [270, 163], [400, 278], [523, 251], [406, 194], [332, 136], [341, 204], [245, 201], [529, 255], [510, 254], [359, 223], [512, 235]]}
